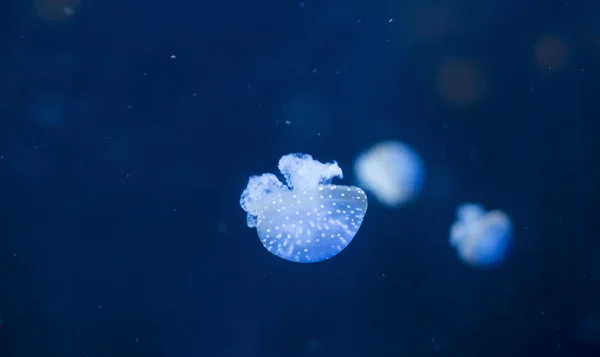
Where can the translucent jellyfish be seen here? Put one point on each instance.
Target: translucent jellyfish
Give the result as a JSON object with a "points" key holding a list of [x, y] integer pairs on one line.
{"points": [[481, 238], [309, 219], [391, 171]]}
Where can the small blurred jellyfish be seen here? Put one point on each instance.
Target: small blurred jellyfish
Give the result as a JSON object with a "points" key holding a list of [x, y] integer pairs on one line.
{"points": [[391, 171], [308, 220], [481, 238]]}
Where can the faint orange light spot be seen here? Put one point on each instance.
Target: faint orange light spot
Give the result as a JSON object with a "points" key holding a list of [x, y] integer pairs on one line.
{"points": [[460, 81], [433, 23], [551, 52]]}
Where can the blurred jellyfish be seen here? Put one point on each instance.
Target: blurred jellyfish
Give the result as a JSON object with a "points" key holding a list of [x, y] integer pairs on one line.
{"points": [[481, 238], [308, 220], [391, 171]]}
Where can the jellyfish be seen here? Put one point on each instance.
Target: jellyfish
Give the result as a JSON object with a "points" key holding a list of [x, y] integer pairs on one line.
{"points": [[481, 238], [391, 171], [308, 219]]}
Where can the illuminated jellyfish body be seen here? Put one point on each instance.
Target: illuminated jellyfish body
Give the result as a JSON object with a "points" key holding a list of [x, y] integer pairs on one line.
{"points": [[391, 171], [309, 219], [481, 238]]}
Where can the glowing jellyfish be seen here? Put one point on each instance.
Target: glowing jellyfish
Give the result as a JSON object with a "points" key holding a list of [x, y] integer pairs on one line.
{"points": [[391, 171], [308, 220], [481, 238]]}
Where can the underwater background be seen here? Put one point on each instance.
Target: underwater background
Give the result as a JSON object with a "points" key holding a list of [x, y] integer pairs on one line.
{"points": [[129, 129]]}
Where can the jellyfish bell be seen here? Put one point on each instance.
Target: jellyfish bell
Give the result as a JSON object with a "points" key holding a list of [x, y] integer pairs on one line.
{"points": [[308, 219], [481, 238], [391, 171]]}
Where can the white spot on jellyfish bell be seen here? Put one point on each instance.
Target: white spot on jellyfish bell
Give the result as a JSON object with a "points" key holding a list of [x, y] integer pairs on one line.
{"points": [[309, 219], [481, 238]]}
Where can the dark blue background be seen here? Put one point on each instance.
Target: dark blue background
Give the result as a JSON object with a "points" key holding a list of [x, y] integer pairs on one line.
{"points": [[121, 170]]}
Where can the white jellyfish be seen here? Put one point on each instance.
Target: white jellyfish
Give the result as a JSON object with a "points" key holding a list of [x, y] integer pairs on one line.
{"points": [[481, 238], [391, 171], [308, 220]]}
